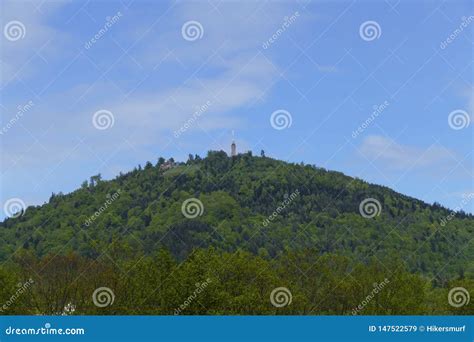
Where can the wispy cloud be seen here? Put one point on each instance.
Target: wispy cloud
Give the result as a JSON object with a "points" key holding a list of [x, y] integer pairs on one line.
{"points": [[401, 157], [226, 68], [153, 81], [41, 42], [468, 93]]}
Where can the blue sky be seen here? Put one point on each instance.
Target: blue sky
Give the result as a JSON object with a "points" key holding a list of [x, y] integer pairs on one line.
{"points": [[310, 61]]}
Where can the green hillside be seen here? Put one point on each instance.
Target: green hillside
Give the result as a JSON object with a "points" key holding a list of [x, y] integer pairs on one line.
{"points": [[287, 223]]}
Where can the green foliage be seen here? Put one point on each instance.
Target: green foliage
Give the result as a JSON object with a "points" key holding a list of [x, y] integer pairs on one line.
{"points": [[211, 282], [317, 243]]}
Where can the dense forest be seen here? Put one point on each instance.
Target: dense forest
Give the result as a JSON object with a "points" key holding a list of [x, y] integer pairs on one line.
{"points": [[218, 235]]}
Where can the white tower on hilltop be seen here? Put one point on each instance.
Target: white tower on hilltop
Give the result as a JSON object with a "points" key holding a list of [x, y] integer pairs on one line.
{"points": [[233, 147]]}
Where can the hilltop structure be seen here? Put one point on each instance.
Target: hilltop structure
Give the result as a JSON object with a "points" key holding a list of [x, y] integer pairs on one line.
{"points": [[169, 164]]}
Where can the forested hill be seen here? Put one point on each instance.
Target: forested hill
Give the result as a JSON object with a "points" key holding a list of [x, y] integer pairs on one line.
{"points": [[257, 204]]}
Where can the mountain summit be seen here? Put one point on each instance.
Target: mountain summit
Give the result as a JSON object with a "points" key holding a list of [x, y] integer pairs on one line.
{"points": [[237, 230], [258, 204]]}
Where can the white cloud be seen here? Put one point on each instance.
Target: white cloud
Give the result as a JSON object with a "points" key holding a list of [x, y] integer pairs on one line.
{"points": [[401, 157], [41, 41], [233, 74], [469, 94], [236, 86], [466, 194]]}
